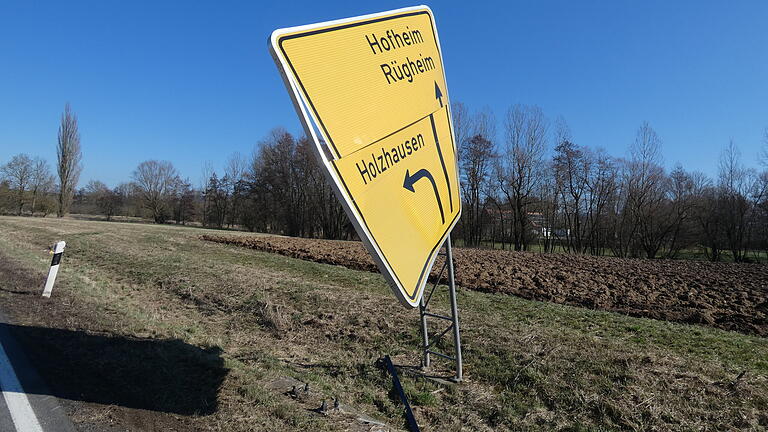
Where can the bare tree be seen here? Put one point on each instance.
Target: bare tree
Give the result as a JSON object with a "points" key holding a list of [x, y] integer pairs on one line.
{"points": [[571, 167], [761, 211], [216, 195], [475, 134], [647, 186], [601, 191], [461, 122], [206, 172], [274, 179], [236, 166], [548, 204], [475, 162], [68, 157], [108, 201], [154, 181], [182, 200], [42, 181], [483, 122], [710, 223], [520, 166], [549, 196], [18, 172], [734, 185], [130, 202], [621, 226], [684, 189], [234, 173], [763, 156]]}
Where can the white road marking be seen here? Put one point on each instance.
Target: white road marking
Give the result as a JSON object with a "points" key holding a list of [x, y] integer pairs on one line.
{"points": [[22, 414]]}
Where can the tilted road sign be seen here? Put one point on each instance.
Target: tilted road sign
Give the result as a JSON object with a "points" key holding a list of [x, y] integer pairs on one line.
{"points": [[371, 92]]}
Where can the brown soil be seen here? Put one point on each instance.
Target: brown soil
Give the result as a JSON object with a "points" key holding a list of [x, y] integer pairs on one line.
{"points": [[724, 295]]}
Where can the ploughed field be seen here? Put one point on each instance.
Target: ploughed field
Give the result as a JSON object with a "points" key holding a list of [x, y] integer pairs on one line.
{"points": [[724, 295]]}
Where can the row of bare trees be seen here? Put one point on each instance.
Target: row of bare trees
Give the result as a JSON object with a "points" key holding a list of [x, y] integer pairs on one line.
{"points": [[280, 188], [27, 183], [537, 189]]}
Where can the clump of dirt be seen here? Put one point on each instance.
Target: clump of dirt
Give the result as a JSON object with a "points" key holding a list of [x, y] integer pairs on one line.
{"points": [[723, 295]]}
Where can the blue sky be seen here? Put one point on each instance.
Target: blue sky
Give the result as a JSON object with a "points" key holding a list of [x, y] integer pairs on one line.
{"points": [[192, 82]]}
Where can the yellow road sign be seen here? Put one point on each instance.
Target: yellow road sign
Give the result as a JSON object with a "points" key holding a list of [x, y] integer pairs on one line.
{"points": [[371, 92]]}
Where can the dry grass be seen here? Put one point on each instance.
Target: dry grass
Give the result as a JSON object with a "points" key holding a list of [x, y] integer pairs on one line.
{"points": [[530, 365]]}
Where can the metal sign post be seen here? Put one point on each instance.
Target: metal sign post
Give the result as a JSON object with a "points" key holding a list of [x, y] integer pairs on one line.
{"points": [[427, 346]]}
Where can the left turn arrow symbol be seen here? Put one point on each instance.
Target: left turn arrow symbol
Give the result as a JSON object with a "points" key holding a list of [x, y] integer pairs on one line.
{"points": [[411, 179]]}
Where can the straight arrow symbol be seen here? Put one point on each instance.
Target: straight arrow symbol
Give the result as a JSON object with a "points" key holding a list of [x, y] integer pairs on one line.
{"points": [[411, 179], [438, 94], [440, 154]]}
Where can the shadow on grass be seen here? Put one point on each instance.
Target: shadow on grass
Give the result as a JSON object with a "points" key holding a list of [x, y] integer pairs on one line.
{"points": [[166, 375]]}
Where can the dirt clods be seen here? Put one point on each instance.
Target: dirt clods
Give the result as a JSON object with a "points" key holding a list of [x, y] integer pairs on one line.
{"points": [[724, 295]]}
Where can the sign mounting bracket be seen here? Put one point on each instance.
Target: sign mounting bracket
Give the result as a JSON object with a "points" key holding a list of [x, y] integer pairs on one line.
{"points": [[428, 348]]}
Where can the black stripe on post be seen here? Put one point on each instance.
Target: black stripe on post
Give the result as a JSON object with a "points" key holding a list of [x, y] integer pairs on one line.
{"points": [[56, 259], [412, 425]]}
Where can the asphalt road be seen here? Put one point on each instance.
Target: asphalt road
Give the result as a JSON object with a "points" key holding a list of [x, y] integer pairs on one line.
{"points": [[26, 404]]}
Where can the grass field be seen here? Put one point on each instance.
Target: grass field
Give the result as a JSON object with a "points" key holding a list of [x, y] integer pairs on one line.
{"points": [[529, 365]]}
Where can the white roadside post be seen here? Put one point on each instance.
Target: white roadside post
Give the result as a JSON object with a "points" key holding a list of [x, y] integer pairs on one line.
{"points": [[58, 250]]}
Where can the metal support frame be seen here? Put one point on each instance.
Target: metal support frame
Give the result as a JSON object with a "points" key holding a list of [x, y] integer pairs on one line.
{"points": [[427, 346]]}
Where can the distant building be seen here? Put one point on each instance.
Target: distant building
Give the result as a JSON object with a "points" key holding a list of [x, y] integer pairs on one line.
{"points": [[542, 229]]}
